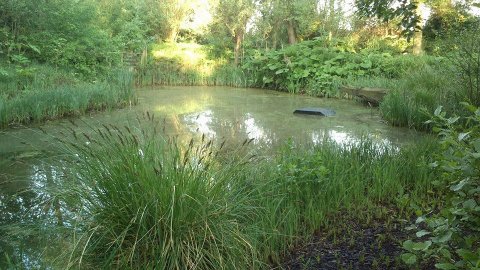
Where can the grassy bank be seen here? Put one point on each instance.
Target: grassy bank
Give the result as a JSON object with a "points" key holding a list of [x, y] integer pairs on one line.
{"points": [[134, 199], [44, 93]]}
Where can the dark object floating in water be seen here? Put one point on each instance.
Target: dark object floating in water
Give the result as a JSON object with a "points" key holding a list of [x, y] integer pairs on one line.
{"points": [[315, 111]]}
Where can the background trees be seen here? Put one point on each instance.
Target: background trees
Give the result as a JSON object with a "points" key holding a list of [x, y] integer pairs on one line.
{"points": [[234, 15], [89, 35]]}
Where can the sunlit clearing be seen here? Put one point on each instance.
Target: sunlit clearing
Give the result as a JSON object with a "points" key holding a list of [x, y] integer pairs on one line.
{"points": [[189, 56]]}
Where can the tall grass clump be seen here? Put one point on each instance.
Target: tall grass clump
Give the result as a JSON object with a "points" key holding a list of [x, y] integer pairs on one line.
{"points": [[413, 98], [147, 202], [130, 197]]}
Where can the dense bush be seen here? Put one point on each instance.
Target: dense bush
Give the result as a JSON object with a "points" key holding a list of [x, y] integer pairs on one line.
{"points": [[59, 33], [319, 66]]}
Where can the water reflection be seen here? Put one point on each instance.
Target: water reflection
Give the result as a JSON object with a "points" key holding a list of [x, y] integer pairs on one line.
{"points": [[256, 132], [201, 123]]}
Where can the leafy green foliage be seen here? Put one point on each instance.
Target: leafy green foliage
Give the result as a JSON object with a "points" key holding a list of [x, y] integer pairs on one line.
{"points": [[61, 33], [390, 9], [319, 66], [465, 57], [451, 234]]}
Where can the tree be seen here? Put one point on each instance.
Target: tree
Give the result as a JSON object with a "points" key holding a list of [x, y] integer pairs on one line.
{"points": [[408, 11], [295, 18], [235, 14], [164, 17]]}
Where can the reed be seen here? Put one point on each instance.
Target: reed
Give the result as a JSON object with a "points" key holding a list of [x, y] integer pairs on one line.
{"points": [[38, 101], [207, 74], [413, 99]]}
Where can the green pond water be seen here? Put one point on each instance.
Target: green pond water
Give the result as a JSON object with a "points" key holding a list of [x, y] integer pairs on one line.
{"points": [[230, 114]]}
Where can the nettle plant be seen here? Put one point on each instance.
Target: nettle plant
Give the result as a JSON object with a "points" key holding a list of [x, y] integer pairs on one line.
{"points": [[451, 236]]}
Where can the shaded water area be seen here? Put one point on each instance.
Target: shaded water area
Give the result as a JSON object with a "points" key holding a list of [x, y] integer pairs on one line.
{"points": [[28, 157]]}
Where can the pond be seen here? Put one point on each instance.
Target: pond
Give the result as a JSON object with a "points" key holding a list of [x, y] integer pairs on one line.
{"points": [[229, 114]]}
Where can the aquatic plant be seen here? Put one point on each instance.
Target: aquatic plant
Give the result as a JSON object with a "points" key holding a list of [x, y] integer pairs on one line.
{"points": [[413, 98], [186, 64]]}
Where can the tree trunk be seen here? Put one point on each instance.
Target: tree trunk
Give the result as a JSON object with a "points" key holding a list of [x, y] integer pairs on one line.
{"points": [[417, 42], [238, 45], [418, 35], [172, 34], [292, 37]]}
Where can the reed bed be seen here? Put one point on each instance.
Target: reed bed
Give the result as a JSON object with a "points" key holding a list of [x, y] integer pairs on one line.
{"points": [[208, 74], [37, 102]]}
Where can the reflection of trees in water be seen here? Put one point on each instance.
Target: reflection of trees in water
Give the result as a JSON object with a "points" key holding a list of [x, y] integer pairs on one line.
{"points": [[27, 207], [234, 128]]}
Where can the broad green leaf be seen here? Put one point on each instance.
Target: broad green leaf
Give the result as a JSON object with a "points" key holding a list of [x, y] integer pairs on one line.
{"points": [[420, 219], [443, 238], [409, 258], [445, 266], [446, 253], [422, 233], [452, 120], [408, 245], [470, 204], [468, 106], [463, 136], [422, 246], [468, 255], [460, 185]]}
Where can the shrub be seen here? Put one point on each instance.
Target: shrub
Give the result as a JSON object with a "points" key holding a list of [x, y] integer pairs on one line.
{"points": [[450, 235]]}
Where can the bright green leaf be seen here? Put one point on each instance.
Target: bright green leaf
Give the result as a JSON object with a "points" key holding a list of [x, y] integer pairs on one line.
{"points": [[460, 185], [422, 233], [409, 258], [463, 136], [443, 238], [422, 246], [408, 245], [438, 111]]}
